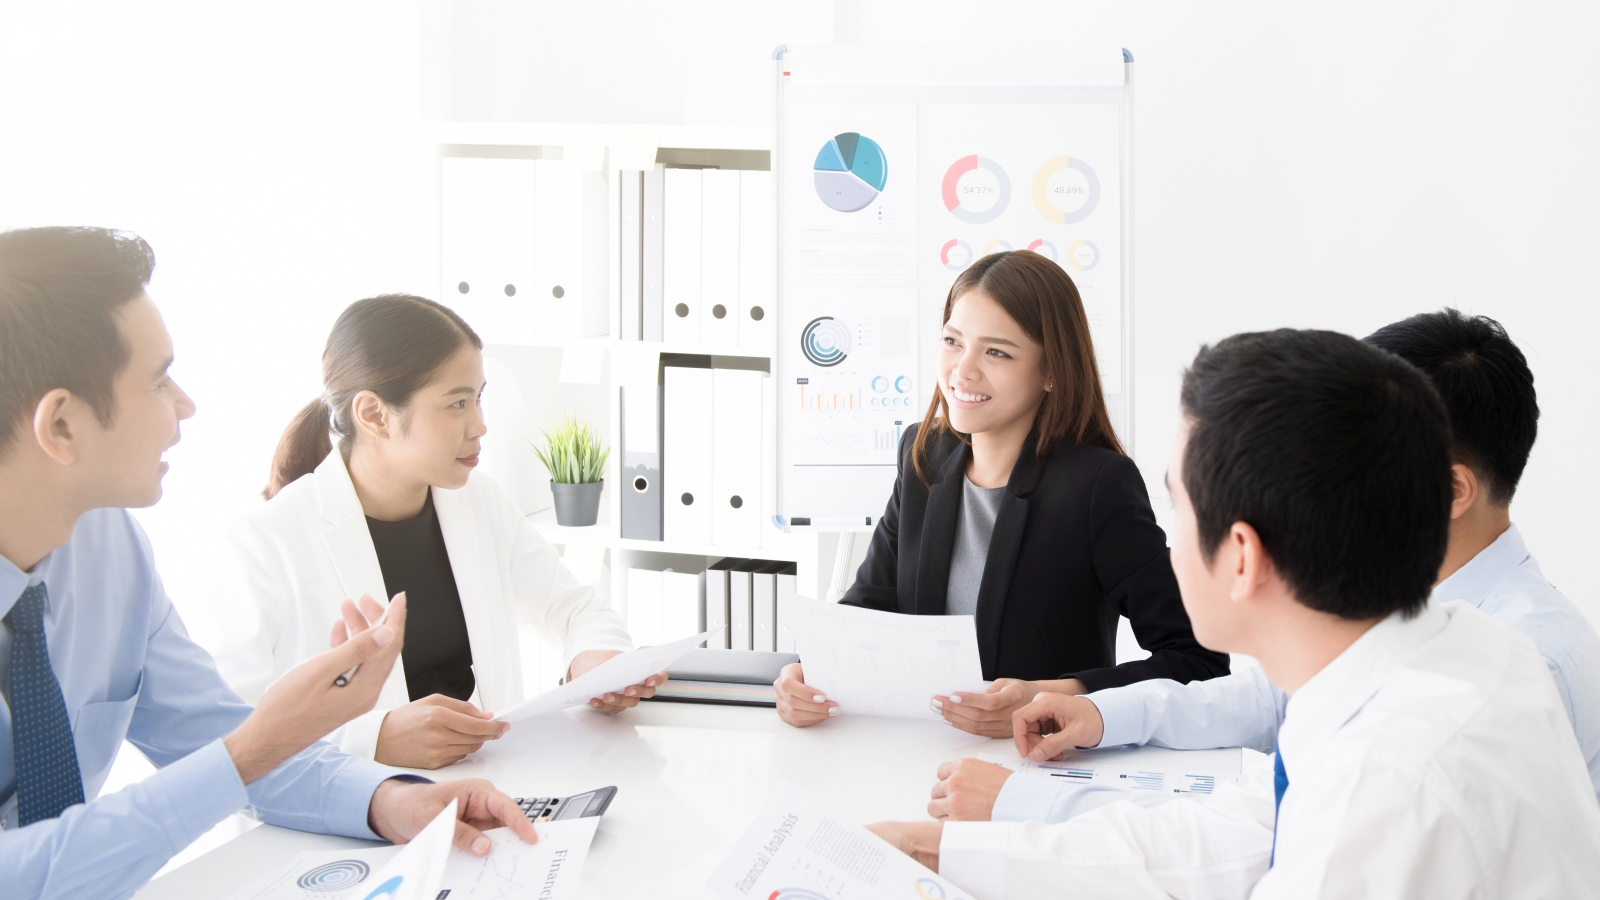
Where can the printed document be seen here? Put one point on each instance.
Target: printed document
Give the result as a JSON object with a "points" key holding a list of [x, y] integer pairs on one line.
{"points": [[876, 663], [548, 869], [794, 850], [611, 676], [1130, 772]]}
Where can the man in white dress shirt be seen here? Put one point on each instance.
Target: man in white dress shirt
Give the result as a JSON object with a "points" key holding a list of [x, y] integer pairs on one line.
{"points": [[1488, 390], [1424, 749]]}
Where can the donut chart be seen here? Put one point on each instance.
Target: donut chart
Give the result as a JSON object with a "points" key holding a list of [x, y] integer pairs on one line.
{"points": [[997, 246], [956, 255], [850, 172], [1087, 196], [952, 193], [1083, 255], [825, 341], [1044, 248]]}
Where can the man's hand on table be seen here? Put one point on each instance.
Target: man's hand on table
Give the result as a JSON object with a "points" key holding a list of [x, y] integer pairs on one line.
{"points": [[1054, 723], [798, 703], [918, 840], [614, 702], [305, 705], [400, 809], [966, 790]]}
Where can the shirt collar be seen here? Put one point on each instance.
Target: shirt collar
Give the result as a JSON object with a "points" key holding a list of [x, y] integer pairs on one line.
{"points": [[1334, 695], [13, 581], [1473, 581]]}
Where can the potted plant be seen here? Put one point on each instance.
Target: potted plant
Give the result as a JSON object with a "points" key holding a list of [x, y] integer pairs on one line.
{"points": [[576, 460]]}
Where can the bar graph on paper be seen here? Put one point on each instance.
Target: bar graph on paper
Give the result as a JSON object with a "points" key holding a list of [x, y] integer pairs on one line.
{"points": [[827, 399], [850, 418]]}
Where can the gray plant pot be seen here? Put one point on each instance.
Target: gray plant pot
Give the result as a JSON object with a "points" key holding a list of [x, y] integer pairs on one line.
{"points": [[577, 504]]}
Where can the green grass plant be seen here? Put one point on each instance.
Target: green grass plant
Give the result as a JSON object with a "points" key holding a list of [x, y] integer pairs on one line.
{"points": [[573, 453]]}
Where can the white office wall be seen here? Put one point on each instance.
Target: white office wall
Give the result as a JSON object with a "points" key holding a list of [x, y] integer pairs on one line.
{"points": [[1329, 165]]}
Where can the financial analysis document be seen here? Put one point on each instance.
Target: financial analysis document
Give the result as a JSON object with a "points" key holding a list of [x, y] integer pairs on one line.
{"points": [[796, 850], [876, 663], [548, 869]]}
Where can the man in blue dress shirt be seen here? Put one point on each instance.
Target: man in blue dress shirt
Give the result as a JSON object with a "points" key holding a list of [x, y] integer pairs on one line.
{"points": [[1494, 413], [93, 652]]}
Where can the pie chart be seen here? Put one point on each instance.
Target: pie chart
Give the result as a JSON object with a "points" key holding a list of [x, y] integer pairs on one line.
{"points": [[851, 171]]}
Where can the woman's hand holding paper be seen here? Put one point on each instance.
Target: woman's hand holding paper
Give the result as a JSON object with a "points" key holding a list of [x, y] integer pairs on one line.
{"points": [[614, 702], [799, 704]]}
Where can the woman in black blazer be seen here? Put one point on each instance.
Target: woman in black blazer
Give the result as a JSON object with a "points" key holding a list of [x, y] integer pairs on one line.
{"points": [[1017, 442]]}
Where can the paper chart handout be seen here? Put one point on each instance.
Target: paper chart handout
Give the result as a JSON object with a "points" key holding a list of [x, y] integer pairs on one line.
{"points": [[611, 676], [547, 869], [795, 850], [1125, 773], [876, 663]]}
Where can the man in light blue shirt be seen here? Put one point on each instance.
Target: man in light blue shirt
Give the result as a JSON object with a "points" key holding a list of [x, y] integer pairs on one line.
{"points": [[93, 652], [1488, 389]]}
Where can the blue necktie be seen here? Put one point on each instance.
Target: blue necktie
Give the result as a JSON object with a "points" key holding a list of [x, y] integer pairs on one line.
{"points": [[1280, 783], [41, 735]]}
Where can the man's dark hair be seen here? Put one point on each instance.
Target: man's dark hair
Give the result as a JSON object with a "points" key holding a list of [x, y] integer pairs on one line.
{"points": [[60, 289], [1486, 385], [1336, 452]]}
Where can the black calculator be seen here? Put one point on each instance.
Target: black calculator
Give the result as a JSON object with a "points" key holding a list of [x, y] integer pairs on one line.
{"points": [[578, 806]]}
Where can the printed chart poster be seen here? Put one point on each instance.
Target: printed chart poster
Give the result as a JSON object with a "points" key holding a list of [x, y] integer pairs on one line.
{"points": [[1044, 177], [794, 850], [850, 197], [848, 395]]}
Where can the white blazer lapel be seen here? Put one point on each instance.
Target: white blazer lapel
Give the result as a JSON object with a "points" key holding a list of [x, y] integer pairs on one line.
{"points": [[350, 547], [472, 559]]}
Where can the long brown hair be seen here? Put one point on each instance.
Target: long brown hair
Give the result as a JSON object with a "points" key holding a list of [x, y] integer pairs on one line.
{"points": [[1040, 298], [390, 345]]}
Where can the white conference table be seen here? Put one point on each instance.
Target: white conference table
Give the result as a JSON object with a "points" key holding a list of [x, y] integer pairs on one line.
{"points": [[689, 779]]}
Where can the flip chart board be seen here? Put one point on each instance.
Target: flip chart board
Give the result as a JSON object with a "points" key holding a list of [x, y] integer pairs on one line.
{"points": [[896, 168]]}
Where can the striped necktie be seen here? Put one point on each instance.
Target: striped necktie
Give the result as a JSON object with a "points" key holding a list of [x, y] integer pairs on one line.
{"points": [[41, 734]]}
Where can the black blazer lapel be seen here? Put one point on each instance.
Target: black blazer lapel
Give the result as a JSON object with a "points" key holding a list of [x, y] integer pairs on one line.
{"points": [[939, 532], [1004, 545]]}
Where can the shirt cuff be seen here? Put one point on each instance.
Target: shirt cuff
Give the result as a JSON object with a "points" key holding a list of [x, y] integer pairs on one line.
{"points": [[350, 797], [359, 736], [1122, 714], [1026, 798], [973, 855], [193, 794]]}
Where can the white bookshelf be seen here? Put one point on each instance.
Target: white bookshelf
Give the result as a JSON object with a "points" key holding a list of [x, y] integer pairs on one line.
{"points": [[610, 148]]}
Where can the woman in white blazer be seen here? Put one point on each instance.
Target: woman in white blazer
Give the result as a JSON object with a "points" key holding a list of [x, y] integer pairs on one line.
{"points": [[397, 506]]}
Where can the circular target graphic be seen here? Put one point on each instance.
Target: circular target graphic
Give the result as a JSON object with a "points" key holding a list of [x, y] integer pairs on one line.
{"points": [[1070, 199], [825, 341], [953, 190], [335, 876]]}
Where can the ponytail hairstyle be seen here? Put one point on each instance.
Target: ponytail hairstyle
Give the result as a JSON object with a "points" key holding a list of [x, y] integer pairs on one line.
{"points": [[1040, 298], [391, 345]]}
